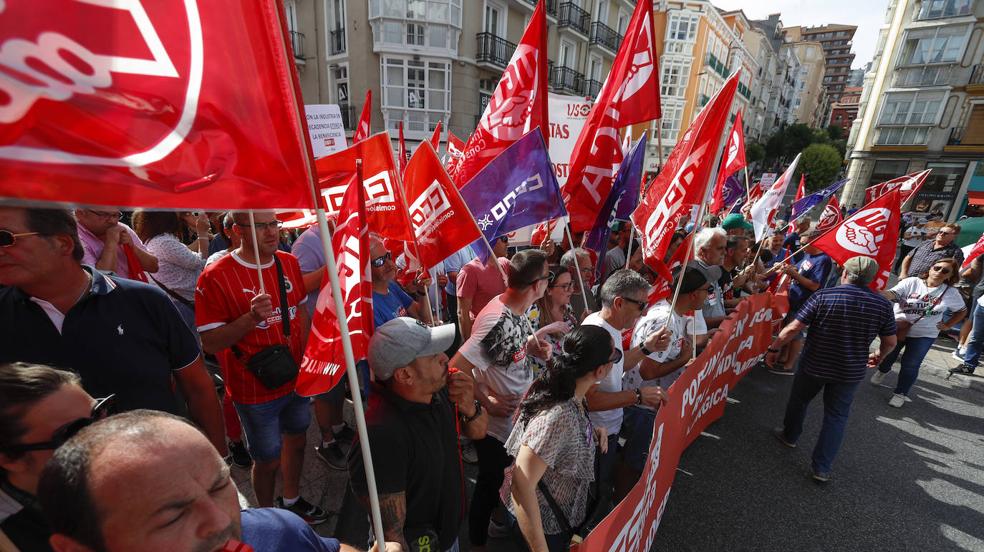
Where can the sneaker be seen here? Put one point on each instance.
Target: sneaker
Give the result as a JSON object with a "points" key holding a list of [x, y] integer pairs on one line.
{"points": [[311, 514], [878, 377], [782, 371], [958, 353], [897, 400], [963, 369], [468, 453], [821, 477], [780, 436], [498, 530], [239, 456], [333, 455]]}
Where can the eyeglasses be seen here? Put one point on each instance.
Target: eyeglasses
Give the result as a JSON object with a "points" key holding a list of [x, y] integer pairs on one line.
{"points": [[549, 277], [8, 238], [378, 262], [504, 239], [616, 356], [942, 269], [261, 226], [566, 287], [107, 214], [641, 304], [100, 410]]}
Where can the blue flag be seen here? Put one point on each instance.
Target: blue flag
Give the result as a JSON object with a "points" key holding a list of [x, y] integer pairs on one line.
{"points": [[621, 201], [516, 189], [801, 207]]}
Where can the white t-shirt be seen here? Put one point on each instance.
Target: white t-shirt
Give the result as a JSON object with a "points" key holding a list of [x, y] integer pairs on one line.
{"points": [[649, 323], [919, 297], [497, 348], [611, 420]]}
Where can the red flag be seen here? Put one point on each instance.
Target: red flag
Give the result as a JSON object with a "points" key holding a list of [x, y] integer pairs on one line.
{"points": [[801, 189], [133, 264], [630, 95], [682, 183], [362, 131], [872, 232], [441, 221], [830, 216], [661, 289], [974, 252], [128, 104], [436, 137], [402, 153], [456, 148], [542, 231], [518, 105], [908, 185], [734, 161], [322, 368], [384, 197]]}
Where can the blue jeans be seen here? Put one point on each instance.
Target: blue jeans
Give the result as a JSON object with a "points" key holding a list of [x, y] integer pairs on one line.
{"points": [[915, 351], [264, 424], [837, 398], [637, 430], [972, 351]]}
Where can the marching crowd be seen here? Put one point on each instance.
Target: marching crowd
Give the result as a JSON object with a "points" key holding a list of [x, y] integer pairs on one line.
{"points": [[139, 362]]}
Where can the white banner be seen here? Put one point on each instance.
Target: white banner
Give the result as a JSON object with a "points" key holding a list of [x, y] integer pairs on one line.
{"points": [[326, 129]]}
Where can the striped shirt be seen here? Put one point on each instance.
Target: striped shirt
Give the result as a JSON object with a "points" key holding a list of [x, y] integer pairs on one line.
{"points": [[843, 322]]}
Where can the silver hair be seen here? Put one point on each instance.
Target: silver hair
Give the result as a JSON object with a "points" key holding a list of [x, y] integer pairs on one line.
{"points": [[567, 259], [621, 283], [705, 236]]}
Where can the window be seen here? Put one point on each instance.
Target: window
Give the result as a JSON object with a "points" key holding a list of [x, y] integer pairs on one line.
{"points": [[594, 68], [672, 116], [290, 9], [416, 92], [415, 34], [934, 9], [568, 54], [934, 45], [419, 23], [340, 75], [676, 73], [919, 108], [623, 21], [495, 19], [683, 27], [601, 11], [335, 16]]}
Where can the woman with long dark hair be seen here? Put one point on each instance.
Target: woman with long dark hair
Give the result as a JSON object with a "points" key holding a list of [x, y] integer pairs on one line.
{"points": [[553, 442], [552, 315]]}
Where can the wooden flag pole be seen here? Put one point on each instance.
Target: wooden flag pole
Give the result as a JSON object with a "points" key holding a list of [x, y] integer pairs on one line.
{"points": [[256, 252]]}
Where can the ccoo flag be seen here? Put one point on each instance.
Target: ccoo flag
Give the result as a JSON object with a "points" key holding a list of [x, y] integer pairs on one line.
{"points": [[517, 189], [734, 161], [803, 205], [362, 131], [764, 210]]}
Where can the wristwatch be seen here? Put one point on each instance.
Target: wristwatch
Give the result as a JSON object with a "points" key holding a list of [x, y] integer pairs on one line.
{"points": [[477, 413], [638, 396], [644, 350], [771, 350]]}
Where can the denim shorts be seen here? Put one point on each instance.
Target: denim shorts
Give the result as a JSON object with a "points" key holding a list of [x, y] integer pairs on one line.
{"points": [[265, 424], [637, 430]]}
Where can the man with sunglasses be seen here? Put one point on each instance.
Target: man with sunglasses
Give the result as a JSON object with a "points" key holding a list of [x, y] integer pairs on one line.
{"points": [[40, 408], [389, 301], [105, 240], [238, 319], [920, 259]]}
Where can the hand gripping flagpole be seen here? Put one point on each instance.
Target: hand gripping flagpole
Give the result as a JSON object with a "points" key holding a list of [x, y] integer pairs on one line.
{"points": [[256, 251]]}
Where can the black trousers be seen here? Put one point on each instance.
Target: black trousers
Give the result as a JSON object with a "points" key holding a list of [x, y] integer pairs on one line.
{"points": [[492, 460]]}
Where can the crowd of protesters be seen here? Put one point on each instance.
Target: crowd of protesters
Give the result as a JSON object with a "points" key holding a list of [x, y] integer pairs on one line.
{"points": [[137, 366]]}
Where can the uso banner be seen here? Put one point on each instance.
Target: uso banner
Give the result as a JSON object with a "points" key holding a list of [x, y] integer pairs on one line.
{"points": [[694, 401]]}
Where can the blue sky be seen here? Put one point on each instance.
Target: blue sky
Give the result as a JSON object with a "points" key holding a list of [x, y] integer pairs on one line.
{"points": [[868, 15]]}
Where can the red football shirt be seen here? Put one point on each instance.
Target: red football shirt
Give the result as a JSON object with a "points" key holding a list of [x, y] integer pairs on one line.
{"points": [[223, 294]]}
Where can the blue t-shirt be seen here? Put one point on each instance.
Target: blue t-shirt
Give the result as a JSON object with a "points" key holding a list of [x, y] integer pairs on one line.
{"points": [[310, 256], [814, 267], [274, 529], [392, 305]]}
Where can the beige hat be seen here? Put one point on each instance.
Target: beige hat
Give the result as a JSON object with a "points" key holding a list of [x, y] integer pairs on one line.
{"points": [[864, 268]]}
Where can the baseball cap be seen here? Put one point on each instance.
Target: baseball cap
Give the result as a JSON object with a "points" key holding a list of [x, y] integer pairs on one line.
{"points": [[694, 278], [865, 268], [398, 342], [735, 220], [711, 272]]}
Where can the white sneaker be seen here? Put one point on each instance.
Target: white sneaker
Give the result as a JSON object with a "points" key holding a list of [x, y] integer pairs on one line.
{"points": [[877, 377], [958, 354], [897, 400]]}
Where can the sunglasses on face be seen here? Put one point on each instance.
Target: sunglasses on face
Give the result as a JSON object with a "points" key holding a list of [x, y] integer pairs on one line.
{"points": [[942, 269], [616, 356], [261, 226], [641, 304], [8, 238], [100, 410], [378, 262], [947, 233]]}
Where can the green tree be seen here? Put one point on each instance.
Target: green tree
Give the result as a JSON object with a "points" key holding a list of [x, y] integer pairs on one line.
{"points": [[754, 152], [795, 139], [835, 132], [821, 163]]}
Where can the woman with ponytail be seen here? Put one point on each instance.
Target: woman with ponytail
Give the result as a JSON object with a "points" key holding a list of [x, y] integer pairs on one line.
{"points": [[553, 442]]}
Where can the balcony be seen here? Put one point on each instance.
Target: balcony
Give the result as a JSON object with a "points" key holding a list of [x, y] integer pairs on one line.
{"points": [[927, 75], [566, 79], [605, 36], [336, 40], [551, 6], [717, 65], [297, 43], [592, 87], [573, 17], [494, 50], [744, 91]]}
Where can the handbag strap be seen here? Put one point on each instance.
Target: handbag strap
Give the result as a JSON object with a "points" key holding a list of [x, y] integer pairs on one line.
{"points": [[936, 301], [282, 288], [565, 525], [174, 294]]}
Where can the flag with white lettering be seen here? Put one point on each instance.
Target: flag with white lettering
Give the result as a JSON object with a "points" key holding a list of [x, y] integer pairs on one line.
{"points": [[908, 185], [517, 189], [734, 161], [323, 364], [630, 95], [803, 205], [362, 131], [763, 212], [830, 216], [456, 148]]}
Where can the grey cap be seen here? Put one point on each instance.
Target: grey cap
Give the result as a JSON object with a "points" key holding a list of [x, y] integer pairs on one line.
{"points": [[865, 269], [398, 342], [711, 272]]}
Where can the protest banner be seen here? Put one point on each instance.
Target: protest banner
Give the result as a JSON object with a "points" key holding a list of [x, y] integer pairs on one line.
{"points": [[326, 129], [567, 117], [694, 401]]}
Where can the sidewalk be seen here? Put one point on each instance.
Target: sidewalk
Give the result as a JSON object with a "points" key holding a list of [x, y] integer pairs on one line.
{"points": [[939, 361]]}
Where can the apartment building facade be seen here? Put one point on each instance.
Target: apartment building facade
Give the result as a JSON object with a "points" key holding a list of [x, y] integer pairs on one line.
{"points": [[810, 103], [836, 40], [923, 103]]}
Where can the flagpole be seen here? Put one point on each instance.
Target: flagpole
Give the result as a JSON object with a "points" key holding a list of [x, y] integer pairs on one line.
{"points": [[577, 267], [256, 251], [748, 187]]}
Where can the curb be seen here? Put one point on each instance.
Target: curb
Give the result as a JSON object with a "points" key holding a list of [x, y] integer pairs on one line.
{"points": [[974, 383]]}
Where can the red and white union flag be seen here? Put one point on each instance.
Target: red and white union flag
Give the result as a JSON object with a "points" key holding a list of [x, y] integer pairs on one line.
{"points": [[133, 103]]}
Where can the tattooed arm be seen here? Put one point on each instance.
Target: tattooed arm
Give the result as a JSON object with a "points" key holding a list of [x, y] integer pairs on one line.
{"points": [[393, 510]]}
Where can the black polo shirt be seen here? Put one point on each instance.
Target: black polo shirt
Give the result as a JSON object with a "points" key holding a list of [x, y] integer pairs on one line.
{"points": [[414, 450], [123, 337]]}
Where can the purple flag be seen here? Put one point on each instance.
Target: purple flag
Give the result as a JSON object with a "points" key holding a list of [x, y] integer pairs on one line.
{"points": [[801, 207], [516, 189], [733, 190], [621, 201]]}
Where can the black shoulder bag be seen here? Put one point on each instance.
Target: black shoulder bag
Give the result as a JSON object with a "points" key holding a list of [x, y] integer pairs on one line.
{"points": [[274, 366]]}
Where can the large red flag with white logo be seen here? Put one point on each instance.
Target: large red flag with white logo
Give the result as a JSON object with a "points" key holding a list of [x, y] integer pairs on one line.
{"points": [[385, 209], [441, 221], [133, 104], [362, 131], [630, 95], [734, 161], [323, 365], [974, 252], [683, 180], [873, 231], [456, 148], [763, 212], [518, 105], [830, 216], [908, 185]]}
